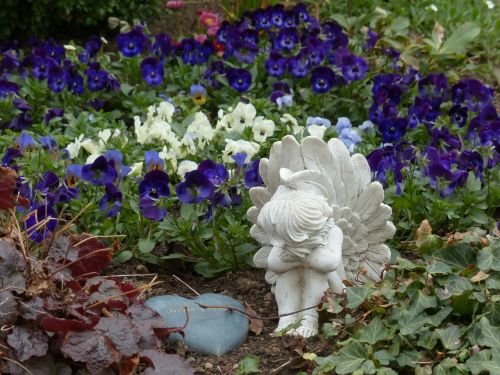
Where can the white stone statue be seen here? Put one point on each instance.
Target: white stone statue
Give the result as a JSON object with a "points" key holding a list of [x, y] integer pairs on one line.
{"points": [[320, 221]]}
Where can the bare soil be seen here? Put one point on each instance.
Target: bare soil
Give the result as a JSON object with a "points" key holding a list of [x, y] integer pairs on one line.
{"points": [[278, 355]]}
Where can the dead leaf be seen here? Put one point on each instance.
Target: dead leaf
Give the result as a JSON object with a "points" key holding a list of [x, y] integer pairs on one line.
{"points": [[484, 242], [256, 325], [424, 227], [480, 276], [129, 365], [438, 33]]}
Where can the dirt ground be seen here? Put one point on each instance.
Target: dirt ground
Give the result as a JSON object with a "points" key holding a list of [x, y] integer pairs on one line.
{"points": [[278, 355]]}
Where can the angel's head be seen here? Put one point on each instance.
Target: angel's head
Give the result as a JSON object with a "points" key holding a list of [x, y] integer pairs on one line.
{"points": [[295, 218]]}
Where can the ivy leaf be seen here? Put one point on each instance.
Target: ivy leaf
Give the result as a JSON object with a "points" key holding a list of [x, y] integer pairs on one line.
{"points": [[422, 302], [438, 268], [475, 363], [368, 367], [386, 371], [490, 335], [356, 296], [492, 312], [436, 319], [28, 342], [161, 363], [384, 357], [350, 358], [458, 256], [450, 337], [373, 332], [428, 340], [489, 258], [408, 358], [410, 324]]}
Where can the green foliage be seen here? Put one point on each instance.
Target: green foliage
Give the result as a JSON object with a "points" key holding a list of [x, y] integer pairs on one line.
{"points": [[461, 35], [248, 365], [413, 322], [23, 19]]}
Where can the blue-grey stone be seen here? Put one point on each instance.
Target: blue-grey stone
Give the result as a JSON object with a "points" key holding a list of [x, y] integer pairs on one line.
{"points": [[209, 331]]}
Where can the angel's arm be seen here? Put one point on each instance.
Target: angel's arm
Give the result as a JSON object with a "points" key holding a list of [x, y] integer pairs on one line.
{"points": [[279, 263], [329, 257]]}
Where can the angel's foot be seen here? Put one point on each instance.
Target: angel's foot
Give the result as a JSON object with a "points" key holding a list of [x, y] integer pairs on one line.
{"points": [[308, 327], [285, 322]]}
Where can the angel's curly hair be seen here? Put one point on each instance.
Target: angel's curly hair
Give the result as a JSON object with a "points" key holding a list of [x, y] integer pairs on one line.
{"points": [[296, 217]]}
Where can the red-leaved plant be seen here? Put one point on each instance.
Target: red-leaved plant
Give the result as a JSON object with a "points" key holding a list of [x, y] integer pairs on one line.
{"points": [[58, 314]]}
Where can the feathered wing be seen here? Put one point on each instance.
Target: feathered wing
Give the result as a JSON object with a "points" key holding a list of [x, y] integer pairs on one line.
{"points": [[357, 203]]}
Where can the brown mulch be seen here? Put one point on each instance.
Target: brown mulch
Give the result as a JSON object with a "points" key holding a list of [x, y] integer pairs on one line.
{"points": [[278, 355]]}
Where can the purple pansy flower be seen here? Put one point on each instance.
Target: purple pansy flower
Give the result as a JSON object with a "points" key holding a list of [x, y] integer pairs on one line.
{"points": [[111, 202], [100, 172], [195, 188]]}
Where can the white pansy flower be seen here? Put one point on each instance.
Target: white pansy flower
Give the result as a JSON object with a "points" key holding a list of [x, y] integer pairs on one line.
{"points": [[262, 129], [136, 169], [74, 147], [242, 117], [160, 130], [240, 146], [223, 123], [91, 146], [288, 120], [104, 135], [141, 131], [316, 130], [186, 166], [169, 156], [165, 111], [92, 158], [201, 126], [187, 144]]}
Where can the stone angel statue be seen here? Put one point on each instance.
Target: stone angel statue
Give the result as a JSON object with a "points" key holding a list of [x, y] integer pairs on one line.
{"points": [[320, 221]]}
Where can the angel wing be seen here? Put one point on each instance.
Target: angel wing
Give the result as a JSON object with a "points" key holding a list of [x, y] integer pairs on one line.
{"points": [[356, 201]]}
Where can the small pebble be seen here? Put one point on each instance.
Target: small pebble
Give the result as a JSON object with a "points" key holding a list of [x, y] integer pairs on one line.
{"points": [[141, 268], [208, 365]]}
